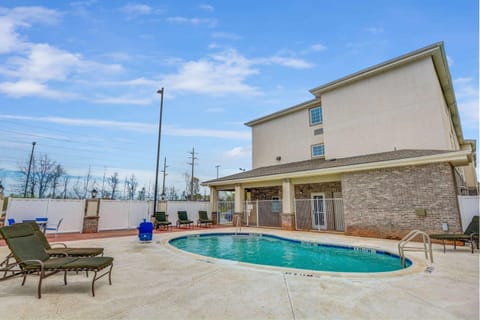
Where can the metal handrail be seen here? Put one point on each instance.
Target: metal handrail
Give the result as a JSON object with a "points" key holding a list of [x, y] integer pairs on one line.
{"points": [[427, 245]]}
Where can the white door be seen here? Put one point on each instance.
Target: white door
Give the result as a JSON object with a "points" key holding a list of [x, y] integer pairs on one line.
{"points": [[319, 218]]}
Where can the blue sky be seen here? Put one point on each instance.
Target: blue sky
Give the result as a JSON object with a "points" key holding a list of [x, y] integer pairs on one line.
{"points": [[80, 78]]}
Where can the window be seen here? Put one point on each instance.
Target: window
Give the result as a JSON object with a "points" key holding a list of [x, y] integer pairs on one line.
{"points": [[275, 204], [318, 150], [316, 116]]}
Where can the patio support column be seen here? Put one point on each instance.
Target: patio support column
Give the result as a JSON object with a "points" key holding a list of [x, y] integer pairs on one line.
{"points": [[288, 205], [239, 202], [214, 204]]}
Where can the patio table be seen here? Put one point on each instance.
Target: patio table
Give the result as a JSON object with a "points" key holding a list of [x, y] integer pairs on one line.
{"points": [[41, 224]]}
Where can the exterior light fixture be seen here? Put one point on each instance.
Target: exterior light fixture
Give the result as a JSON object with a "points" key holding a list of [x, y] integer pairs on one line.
{"points": [[94, 193]]}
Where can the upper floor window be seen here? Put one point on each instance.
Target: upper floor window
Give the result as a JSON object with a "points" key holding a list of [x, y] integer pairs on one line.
{"points": [[316, 116], [318, 150]]}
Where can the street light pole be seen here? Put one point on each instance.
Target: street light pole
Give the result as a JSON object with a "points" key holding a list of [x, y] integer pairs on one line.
{"points": [[158, 151], [29, 169]]}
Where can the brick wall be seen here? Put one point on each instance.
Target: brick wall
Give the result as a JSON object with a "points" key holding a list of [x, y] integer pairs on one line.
{"points": [[382, 203]]}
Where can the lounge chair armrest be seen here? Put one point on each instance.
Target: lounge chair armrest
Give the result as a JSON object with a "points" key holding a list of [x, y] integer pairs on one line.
{"points": [[63, 245], [40, 262]]}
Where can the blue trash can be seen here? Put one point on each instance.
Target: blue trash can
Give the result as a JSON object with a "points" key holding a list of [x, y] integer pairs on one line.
{"points": [[145, 231]]}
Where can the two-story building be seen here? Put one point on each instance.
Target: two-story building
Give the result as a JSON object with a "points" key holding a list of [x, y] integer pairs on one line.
{"points": [[378, 153]]}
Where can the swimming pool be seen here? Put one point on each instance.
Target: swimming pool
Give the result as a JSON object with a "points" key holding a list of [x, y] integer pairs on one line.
{"points": [[276, 251]]}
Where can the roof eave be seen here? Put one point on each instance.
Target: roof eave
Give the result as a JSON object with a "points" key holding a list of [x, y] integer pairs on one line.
{"points": [[457, 158]]}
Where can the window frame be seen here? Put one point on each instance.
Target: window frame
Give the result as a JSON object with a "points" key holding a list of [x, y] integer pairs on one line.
{"points": [[310, 116], [317, 145]]}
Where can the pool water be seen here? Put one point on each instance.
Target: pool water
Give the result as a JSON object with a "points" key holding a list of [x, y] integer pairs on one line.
{"points": [[282, 252]]}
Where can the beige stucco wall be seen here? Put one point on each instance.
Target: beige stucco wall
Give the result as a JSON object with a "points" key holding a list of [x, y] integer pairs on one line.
{"points": [[289, 137], [403, 109]]}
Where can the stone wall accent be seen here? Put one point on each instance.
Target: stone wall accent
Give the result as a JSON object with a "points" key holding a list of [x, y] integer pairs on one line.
{"points": [[304, 191], [265, 193], [90, 224], [382, 203]]}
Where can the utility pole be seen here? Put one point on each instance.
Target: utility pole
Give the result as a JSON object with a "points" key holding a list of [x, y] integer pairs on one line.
{"points": [[193, 170], [29, 169], [217, 166], [164, 174]]}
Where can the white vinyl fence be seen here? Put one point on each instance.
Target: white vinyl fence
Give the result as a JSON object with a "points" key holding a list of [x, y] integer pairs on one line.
{"points": [[469, 207], [72, 212], [124, 214], [113, 214]]}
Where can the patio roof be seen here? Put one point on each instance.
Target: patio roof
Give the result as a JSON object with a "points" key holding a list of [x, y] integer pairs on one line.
{"points": [[334, 166]]}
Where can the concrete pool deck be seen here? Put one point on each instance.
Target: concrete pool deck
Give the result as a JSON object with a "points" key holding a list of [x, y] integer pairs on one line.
{"points": [[156, 281]]}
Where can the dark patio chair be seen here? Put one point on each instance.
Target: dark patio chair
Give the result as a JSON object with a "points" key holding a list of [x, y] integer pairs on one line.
{"points": [[161, 220], [203, 218], [183, 219], [31, 258], [470, 235]]}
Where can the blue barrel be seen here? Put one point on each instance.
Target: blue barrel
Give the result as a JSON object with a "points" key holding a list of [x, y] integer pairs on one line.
{"points": [[145, 231]]}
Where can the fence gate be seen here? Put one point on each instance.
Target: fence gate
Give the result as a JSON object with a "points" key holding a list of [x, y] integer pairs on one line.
{"points": [[319, 213], [225, 211], [263, 213]]}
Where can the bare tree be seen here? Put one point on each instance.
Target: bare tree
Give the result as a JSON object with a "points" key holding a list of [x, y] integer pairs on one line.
{"points": [[66, 179], [132, 185], [113, 183], [172, 193], [43, 174], [58, 172], [82, 185]]}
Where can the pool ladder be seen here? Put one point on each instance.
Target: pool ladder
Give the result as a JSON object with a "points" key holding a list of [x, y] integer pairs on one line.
{"points": [[427, 246]]}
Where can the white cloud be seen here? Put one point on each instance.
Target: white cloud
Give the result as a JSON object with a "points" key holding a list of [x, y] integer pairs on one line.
{"points": [[31, 67], [122, 100], [374, 30], [26, 15], [450, 61], [136, 126], [225, 72], [467, 100], [131, 83], [208, 133], [192, 21], [134, 10], [219, 74], [287, 62], [318, 47], [225, 35], [215, 110], [11, 19], [207, 7], [25, 88], [238, 152]]}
